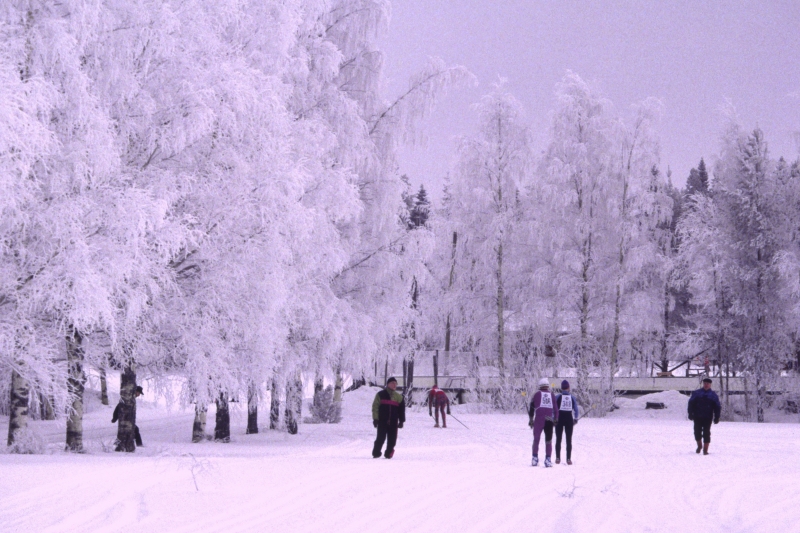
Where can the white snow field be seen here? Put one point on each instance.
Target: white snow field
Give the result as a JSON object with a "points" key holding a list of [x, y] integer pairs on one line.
{"points": [[634, 471]]}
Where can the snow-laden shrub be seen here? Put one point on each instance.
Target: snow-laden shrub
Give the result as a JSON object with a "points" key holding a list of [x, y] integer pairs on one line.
{"points": [[27, 441], [509, 398], [324, 410]]}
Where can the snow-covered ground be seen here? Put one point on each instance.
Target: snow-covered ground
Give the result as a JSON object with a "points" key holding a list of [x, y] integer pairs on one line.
{"points": [[634, 471]]}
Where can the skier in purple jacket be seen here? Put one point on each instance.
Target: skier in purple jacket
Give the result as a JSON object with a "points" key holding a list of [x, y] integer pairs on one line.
{"points": [[543, 416]]}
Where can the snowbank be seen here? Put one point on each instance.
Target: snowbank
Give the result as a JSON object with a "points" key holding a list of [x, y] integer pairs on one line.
{"points": [[675, 406], [634, 471]]}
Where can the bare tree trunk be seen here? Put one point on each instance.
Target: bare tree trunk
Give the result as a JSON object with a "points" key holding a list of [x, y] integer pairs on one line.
{"points": [[18, 415], [103, 386], [337, 388], [46, 407], [501, 329], [222, 427], [728, 386], [410, 385], [126, 411], [747, 397], [76, 382], [252, 410], [436, 368], [294, 405], [447, 327], [664, 356], [615, 341], [199, 427], [760, 398], [319, 386], [274, 405]]}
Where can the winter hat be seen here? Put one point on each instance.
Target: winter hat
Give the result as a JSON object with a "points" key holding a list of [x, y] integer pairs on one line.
{"points": [[565, 385], [544, 383], [707, 380], [138, 390], [391, 379]]}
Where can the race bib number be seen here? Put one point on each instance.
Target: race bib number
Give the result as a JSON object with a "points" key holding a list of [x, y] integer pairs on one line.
{"points": [[566, 403], [547, 400]]}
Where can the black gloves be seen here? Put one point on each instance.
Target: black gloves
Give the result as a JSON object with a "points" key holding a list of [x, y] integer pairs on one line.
{"points": [[374, 423], [448, 409], [691, 417], [716, 420], [575, 422], [530, 423], [399, 425]]}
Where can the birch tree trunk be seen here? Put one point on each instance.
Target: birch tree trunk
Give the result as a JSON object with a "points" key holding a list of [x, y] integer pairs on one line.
{"points": [[126, 411], [583, 357], [103, 386], [76, 382], [665, 337], [252, 410], [18, 415], [222, 427], [337, 388], [410, 385], [452, 278], [319, 386], [294, 405], [501, 329], [199, 426], [274, 405], [46, 407]]}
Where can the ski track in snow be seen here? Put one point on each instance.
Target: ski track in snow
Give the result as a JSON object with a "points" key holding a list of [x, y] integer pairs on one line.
{"points": [[633, 472]]}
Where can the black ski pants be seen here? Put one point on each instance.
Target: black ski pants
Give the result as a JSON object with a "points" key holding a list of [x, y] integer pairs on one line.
{"points": [[137, 436], [565, 424], [388, 434], [702, 429]]}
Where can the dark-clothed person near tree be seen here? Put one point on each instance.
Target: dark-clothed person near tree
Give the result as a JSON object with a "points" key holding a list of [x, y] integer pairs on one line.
{"points": [[437, 403], [567, 406], [704, 408], [388, 415], [116, 414]]}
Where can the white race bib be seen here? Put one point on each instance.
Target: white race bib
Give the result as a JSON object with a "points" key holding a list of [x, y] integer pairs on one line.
{"points": [[566, 402], [547, 400]]}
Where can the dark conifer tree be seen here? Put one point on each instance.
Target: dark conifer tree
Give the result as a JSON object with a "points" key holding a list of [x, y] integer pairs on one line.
{"points": [[698, 180]]}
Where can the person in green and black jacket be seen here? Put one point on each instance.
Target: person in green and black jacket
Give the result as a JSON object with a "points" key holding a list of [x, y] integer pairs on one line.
{"points": [[388, 415]]}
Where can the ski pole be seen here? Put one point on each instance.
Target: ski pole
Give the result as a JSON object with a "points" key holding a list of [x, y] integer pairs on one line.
{"points": [[459, 421]]}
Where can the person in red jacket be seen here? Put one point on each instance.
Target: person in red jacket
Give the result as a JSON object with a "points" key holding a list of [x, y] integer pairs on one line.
{"points": [[438, 402]]}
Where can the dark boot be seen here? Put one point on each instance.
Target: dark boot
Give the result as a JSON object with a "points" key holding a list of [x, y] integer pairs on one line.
{"points": [[705, 448], [699, 446]]}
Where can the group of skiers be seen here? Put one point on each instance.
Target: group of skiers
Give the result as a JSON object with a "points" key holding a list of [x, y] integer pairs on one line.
{"points": [[547, 411]]}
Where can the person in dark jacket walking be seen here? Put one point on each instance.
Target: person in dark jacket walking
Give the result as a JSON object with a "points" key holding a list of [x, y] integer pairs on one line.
{"points": [[388, 415], [117, 412], [438, 402], [704, 407], [567, 406]]}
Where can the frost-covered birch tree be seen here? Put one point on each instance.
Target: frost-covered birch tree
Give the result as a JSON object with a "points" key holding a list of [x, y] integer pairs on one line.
{"points": [[577, 183], [640, 209], [490, 176], [88, 239]]}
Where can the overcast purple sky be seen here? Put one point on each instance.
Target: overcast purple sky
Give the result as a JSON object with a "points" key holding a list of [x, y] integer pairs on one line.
{"points": [[690, 54]]}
